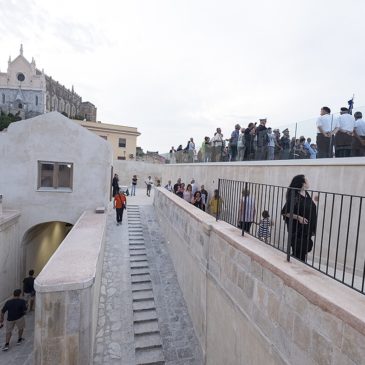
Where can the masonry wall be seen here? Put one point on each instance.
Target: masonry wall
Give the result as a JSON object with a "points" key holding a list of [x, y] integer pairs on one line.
{"points": [[249, 305], [126, 170], [68, 295], [9, 252]]}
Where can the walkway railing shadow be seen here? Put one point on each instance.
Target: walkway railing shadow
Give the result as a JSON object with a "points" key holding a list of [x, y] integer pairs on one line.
{"points": [[331, 239]]}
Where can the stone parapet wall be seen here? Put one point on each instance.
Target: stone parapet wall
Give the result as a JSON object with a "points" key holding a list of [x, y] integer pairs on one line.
{"points": [[68, 294], [249, 305]]}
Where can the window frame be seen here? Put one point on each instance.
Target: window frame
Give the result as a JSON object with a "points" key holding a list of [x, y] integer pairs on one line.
{"points": [[125, 142], [55, 176]]}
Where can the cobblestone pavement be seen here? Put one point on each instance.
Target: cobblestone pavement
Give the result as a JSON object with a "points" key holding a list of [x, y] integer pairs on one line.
{"points": [[19, 355], [117, 331]]}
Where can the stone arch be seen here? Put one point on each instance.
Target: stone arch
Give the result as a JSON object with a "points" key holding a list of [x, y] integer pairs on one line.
{"points": [[40, 242]]}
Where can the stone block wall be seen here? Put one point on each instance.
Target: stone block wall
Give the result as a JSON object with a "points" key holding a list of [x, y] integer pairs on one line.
{"points": [[249, 305], [9, 253], [67, 296]]}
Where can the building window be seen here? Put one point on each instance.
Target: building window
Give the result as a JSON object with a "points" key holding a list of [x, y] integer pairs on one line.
{"points": [[20, 76], [104, 137], [36, 100], [3, 98], [20, 106], [121, 157], [55, 175], [122, 142]]}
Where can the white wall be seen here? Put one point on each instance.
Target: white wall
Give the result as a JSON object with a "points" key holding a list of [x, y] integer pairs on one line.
{"points": [[52, 137]]}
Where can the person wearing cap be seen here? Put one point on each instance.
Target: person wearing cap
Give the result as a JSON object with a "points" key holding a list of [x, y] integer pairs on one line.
{"points": [[285, 145], [343, 133], [358, 139], [325, 125], [262, 140], [233, 141]]}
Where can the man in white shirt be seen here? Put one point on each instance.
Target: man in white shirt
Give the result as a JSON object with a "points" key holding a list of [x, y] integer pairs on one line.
{"points": [[358, 139], [325, 125], [149, 184], [191, 150], [217, 145], [343, 133]]}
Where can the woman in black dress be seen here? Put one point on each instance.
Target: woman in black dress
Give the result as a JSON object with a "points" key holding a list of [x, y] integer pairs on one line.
{"points": [[304, 217]]}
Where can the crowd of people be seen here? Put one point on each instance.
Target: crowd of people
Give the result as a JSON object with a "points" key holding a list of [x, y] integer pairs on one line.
{"points": [[337, 136]]}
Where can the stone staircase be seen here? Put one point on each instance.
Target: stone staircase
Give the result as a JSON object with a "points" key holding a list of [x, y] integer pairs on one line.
{"points": [[148, 342]]}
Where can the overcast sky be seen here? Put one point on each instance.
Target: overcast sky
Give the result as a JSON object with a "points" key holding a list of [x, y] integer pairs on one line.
{"points": [[179, 69]]}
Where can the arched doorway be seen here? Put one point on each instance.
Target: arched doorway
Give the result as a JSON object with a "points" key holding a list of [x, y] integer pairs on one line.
{"points": [[40, 242]]}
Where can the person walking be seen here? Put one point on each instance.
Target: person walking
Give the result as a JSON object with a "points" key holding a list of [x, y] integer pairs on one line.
{"points": [[115, 184], [217, 145], [28, 290], [304, 217], [134, 185], [215, 204], [120, 203], [247, 211], [149, 184], [16, 309]]}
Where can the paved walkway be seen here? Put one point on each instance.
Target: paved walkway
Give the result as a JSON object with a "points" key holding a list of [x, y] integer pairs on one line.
{"points": [[143, 318]]}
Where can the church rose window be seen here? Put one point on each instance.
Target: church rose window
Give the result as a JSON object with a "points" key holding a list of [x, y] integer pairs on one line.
{"points": [[20, 77]]}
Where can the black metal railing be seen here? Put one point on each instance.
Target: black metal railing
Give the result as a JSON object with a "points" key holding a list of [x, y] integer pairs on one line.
{"points": [[324, 230]]}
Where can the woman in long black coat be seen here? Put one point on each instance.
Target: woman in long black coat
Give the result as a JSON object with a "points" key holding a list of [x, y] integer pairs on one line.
{"points": [[304, 217]]}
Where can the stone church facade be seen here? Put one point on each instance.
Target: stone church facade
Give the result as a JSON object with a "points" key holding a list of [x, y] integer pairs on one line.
{"points": [[26, 90]]}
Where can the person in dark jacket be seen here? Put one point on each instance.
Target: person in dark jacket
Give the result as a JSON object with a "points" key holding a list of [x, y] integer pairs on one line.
{"points": [[16, 308], [115, 184], [304, 217]]}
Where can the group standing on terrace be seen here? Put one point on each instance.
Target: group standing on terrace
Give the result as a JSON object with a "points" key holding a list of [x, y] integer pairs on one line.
{"points": [[337, 136]]}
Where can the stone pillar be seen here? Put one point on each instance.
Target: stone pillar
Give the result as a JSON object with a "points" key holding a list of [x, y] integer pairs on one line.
{"points": [[1, 205]]}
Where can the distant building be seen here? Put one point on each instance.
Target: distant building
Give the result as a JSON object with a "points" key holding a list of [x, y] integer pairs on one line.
{"points": [[26, 90], [122, 139]]}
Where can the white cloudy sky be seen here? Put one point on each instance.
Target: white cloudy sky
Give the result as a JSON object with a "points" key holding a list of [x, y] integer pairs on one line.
{"points": [[177, 69]]}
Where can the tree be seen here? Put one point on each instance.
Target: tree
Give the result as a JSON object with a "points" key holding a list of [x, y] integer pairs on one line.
{"points": [[7, 119]]}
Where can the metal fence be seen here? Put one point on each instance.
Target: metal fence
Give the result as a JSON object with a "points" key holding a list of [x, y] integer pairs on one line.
{"points": [[330, 238]]}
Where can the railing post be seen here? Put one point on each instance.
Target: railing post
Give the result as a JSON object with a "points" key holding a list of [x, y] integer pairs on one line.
{"points": [[219, 197], [290, 230], [244, 209]]}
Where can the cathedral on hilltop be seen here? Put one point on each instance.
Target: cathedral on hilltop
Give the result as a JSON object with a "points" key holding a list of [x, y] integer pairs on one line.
{"points": [[28, 92]]}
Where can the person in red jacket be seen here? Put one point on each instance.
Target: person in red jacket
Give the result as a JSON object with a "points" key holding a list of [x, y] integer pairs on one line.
{"points": [[120, 203]]}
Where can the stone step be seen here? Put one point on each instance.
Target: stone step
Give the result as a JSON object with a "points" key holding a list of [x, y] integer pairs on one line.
{"points": [[147, 341], [142, 295], [139, 253], [141, 243], [136, 248], [144, 305], [142, 278], [152, 356], [146, 327], [139, 258], [140, 265], [143, 316], [139, 272], [141, 286]]}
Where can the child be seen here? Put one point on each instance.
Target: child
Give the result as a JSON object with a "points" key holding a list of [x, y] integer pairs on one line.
{"points": [[264, 230]]}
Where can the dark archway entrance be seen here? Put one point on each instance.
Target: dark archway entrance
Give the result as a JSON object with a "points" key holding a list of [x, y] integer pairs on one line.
{"points": [[40, 242]]}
